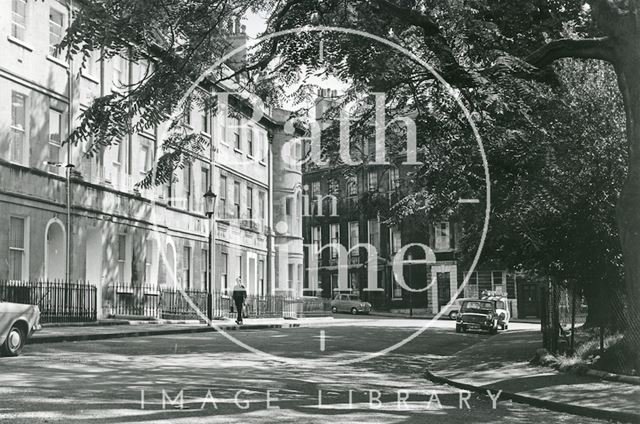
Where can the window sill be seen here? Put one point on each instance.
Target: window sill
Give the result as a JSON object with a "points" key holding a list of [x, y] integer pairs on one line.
{"points": [[237, 150], [20, 43], [263, 163], [90, 77], [224, 144], [250, 157], [206, 134], [57, 61]]}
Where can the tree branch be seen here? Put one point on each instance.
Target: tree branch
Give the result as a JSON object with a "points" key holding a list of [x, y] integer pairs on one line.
{"points": [[592, 48]]}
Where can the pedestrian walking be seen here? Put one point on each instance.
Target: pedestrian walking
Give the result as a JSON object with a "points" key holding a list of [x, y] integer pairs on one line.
{"points": [[239, 297]]}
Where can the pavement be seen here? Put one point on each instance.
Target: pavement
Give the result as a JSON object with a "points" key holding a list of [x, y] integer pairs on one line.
{"points": [[122, 328], [502, 363]]}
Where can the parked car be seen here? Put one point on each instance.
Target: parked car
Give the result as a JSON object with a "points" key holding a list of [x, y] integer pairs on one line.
{"points": [[490, 314], [453, 310], [17, 323], [350, 303]]}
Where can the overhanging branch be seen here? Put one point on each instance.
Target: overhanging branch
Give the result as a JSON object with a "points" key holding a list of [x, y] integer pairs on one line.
{"points": [[592, 48]]}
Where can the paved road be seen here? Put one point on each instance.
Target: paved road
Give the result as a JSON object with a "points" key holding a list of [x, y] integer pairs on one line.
{"points": [[103, 382]]}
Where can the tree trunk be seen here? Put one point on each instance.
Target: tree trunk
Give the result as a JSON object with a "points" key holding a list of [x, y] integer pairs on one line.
{"points": [[628, 208]]}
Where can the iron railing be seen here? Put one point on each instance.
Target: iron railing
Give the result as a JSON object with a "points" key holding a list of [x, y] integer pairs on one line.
{"points": [[62, 302], [59, 302]]}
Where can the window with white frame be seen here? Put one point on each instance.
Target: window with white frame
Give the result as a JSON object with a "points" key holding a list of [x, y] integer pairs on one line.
{"points": [[222, 197], [395, 240], [18, 126], [261, 286], [354, 238], [224, 280], [148, 260], [236, 199], [352, 185], [374, 233], [316, 239], [250, 141], [334, 235], [205, 120], [262, 147], [250, 203], [145, 156], [498, 281], [473, 278], [334, 187], [19, 19], [373, 180], [120, 71], [92, 64], [262, 206], [442, 235], [187, 186], [394, 179], [236, 134], [55, 135], [17, 248], [122, 256], [56, 29]]}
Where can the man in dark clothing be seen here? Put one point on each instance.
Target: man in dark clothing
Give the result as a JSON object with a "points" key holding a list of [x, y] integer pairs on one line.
{"points": [[239, 297]]}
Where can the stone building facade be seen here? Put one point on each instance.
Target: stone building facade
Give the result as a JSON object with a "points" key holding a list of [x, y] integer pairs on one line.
{"points": [[114, 232]]}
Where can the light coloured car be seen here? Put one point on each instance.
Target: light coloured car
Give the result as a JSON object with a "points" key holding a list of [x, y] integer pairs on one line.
{"points": [[349, 303], [17, 323]]}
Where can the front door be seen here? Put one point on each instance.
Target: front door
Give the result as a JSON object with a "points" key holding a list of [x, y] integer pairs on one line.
{"points": [[528, 305], [444, 288]]}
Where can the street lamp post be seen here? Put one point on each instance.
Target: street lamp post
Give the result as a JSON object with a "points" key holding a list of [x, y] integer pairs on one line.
{"points": [[210, 208]]}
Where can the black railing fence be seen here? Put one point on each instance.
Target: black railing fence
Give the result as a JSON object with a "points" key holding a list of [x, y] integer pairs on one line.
{"points": [[59, 302], [62, 302]]}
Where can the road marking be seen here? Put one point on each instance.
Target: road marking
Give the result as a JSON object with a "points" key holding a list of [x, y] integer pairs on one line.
{"points": [[322, 344], [468, 200]]}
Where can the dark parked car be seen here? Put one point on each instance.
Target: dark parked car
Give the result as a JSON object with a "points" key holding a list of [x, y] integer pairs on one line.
{"points": [[483, 314]]}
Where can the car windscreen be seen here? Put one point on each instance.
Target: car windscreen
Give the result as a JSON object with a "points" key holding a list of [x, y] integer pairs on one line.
{"points": [[354, 298], [477, 307]]}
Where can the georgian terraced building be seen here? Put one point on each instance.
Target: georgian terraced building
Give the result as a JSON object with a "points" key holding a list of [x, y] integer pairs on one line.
{"points": [[114, 232], [353, 222]]}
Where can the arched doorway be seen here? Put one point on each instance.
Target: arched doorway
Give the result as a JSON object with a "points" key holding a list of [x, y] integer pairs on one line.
{"points": [[55, 256], [167, 267]]}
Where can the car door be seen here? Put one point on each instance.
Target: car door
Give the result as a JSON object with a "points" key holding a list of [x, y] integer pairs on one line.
{"points": [[342, 302]]}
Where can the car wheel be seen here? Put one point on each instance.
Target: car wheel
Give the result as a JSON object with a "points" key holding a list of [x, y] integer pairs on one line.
{"points": [[453, 315], [334, 309], [506, 326], [354, 311], [14, 342], [458, 329], [494, 329]]}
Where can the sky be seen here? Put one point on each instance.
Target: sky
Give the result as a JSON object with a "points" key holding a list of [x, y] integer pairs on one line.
{"points": [[256, 25]]}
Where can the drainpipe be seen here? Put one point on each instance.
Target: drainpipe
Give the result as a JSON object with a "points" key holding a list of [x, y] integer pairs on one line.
{"points": [[270, 255]]}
